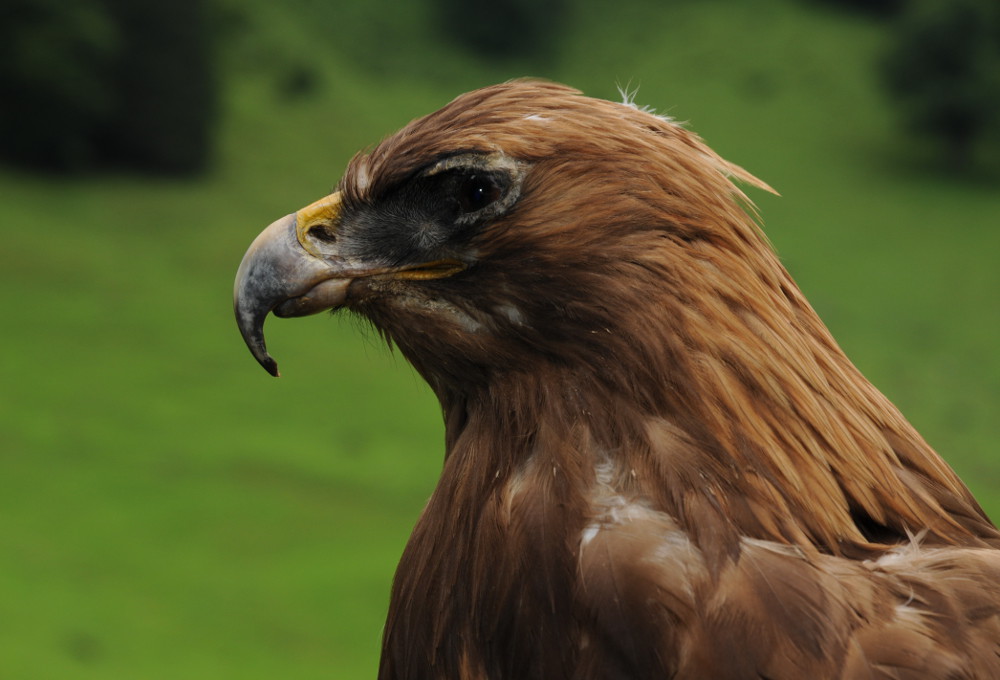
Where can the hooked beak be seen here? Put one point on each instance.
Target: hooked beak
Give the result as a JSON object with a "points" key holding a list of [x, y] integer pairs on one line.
{"points": [[284, 272], [294, 268]]}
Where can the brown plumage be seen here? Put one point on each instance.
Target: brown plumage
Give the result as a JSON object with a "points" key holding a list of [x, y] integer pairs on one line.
{"points": [[659, 464]]}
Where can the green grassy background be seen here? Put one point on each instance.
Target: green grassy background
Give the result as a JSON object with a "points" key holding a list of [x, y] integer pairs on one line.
{"points": [[167, 510]]}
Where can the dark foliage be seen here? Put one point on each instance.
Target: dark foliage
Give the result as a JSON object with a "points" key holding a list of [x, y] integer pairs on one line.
{"points": [[943, 68], [97, 83], [56, 64], [880, 8], [504, 28], [164, 78]]}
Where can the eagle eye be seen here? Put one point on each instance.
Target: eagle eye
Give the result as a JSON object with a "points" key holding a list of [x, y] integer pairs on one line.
{"points": [[475, 192]]}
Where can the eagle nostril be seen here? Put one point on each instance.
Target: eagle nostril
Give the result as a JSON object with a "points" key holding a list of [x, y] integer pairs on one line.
{"points": [[316, 224], [322, 232]]}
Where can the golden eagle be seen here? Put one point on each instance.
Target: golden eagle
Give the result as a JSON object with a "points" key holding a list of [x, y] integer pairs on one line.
{"points": [[658, 463]]}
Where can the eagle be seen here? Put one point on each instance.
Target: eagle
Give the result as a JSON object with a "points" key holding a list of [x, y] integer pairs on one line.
{"points": [[658, 462]]}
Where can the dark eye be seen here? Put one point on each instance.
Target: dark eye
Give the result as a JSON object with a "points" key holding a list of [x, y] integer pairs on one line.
{"points": [[475, 192]]}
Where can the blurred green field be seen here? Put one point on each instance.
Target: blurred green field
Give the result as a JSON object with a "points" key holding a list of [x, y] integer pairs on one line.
{"points": [[170, 511]]}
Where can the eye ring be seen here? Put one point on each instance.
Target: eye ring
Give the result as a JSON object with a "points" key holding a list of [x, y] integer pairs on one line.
{"points": [[477, 191]]}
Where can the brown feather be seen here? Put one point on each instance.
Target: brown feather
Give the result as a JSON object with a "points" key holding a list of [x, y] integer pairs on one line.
{"points": [[662, 465]]}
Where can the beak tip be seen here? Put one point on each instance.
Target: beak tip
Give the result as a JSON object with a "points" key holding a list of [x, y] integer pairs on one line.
{"points": [[271, 366], [265, 360]]}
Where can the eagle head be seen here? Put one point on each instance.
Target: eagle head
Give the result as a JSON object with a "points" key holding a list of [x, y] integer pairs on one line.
{"points": [[522, 223]]}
